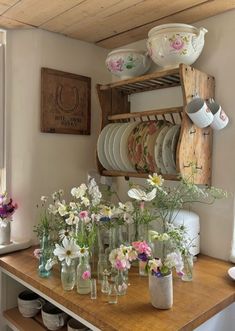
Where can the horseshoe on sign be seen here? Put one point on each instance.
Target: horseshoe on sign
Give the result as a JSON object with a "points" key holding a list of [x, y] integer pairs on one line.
{"points": [[59, 102]]}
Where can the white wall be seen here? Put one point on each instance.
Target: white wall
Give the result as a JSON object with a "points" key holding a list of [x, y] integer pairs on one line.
{"points": [[39, 163], [216, 59]]}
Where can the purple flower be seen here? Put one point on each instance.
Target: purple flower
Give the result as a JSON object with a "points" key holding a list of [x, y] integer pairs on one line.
{"points": [[143, 257]]}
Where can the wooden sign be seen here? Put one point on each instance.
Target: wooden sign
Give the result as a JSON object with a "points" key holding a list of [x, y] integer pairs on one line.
{"points": [[65, 102]]}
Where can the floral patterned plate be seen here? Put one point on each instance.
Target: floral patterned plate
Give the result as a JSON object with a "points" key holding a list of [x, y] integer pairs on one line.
{"points": [[167, 155], [135, 144], [124, 146], [158, 147], [100, 148]]}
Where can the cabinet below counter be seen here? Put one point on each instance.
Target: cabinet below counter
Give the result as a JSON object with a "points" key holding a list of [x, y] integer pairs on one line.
{"points": [[194, 302]]}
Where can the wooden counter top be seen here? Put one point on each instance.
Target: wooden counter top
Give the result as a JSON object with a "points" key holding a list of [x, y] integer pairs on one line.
{"points": [[194, 302]]}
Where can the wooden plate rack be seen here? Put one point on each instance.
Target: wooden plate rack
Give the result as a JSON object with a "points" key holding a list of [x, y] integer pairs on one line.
{"points": [[194, 146]]}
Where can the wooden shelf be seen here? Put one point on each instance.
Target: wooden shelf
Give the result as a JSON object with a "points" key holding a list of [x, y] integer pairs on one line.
{"points": [[154, 81], [194, 145], [114, 173]]}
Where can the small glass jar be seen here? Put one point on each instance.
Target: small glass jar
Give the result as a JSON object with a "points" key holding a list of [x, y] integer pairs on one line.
{"points": [[102, 265], [83, 275], [120, 281], [113, 294], [105, 282], [142, 268], [188, 268], [68, 275]]}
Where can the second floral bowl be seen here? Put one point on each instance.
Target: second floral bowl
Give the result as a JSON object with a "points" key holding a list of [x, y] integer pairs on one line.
{"points": [[127, 63], [172, 44]]}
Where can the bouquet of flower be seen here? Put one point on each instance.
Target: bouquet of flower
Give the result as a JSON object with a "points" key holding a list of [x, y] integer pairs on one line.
{"points": [[7, 209]]}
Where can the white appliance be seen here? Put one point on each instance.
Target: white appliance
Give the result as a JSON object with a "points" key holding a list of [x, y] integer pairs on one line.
{"points": [[191, 222]]}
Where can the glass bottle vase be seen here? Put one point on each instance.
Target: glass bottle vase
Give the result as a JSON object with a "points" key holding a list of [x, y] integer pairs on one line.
{"points": [[102, 265], [68, 275], [120, 281], [45, 255], [83, 275], [188, 268]]}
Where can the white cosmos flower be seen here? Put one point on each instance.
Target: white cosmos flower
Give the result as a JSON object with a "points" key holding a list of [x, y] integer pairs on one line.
{"points": [[79, 192], [141, 195], [62, 209], [65, 233], [155, 180], [83, 251], [72, 219], [68, 251]]}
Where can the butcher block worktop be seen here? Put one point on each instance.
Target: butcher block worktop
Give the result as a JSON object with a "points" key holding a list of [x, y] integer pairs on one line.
{"points": [[194, 302]]}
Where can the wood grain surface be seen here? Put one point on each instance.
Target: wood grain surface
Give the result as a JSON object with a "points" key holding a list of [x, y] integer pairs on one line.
{"points": [[194, 302]]}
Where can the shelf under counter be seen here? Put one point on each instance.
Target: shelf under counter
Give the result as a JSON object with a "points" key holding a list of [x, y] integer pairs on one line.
{"points": [[194, 302]]}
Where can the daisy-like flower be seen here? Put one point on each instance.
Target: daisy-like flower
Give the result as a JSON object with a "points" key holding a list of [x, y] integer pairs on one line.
{"points": [[65, 234], [68, 251], [141, 195], [106, 211], [155, 180], [83, 251]]}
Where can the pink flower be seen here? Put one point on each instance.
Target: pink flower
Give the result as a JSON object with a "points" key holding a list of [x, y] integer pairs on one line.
{"points": [[86, 275], [177, 44], [142, 247], [83, 214], [116, 65], [37, 253], [142, 206]]}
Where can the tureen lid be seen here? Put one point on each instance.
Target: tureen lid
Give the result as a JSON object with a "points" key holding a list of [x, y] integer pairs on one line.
{"points": [[173, 26], [127, 50]]}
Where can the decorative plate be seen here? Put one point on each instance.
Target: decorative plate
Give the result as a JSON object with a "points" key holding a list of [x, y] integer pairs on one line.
{"points": [[168, 159], [106, 144], [231, 272], [124, 150], [111, 150], [158, 147], [174, 144], [117, 146], [133, 142], [154, 128], [100, 148]]}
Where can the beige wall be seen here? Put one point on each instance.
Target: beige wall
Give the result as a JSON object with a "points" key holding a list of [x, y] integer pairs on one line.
{"points": [[217, 59], [39, 163]]}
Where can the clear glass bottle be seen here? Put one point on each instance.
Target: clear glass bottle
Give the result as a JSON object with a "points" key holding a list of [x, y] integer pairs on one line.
{"points": [[68, 275], [45, 255], [105, 282], [188, 268], [83, 275], [102, 265], [113, 294], [142, 268], [113, 243], [121, 284]]}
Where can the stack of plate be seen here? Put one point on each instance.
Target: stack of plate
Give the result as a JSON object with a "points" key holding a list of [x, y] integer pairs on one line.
{"points": [[148, 146]]}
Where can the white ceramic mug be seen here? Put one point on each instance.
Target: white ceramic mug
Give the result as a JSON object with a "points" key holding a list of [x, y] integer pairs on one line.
{"points": [[53, 318], [29, 303], [74, 325], [220, 118], [199, 112]]}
